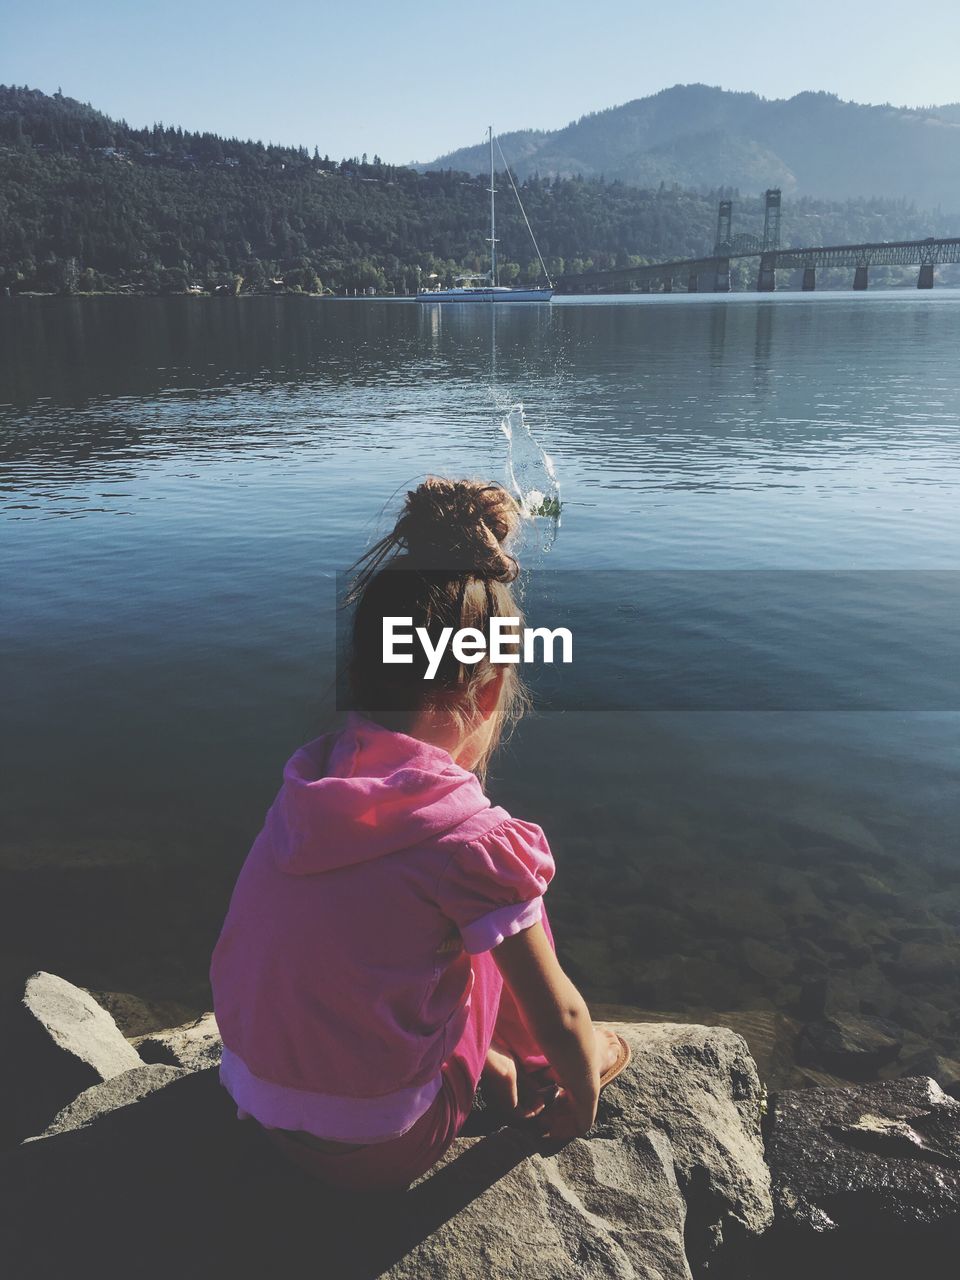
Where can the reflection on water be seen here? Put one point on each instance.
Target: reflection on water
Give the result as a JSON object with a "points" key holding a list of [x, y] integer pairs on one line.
{"points": [[181, 480]]}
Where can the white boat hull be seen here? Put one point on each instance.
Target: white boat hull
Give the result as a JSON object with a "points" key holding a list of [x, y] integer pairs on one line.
{"points": [[499, 294]]}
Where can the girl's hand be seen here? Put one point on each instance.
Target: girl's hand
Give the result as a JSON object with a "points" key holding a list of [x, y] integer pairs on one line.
{"points": [[499, 1077], [566, 1117], [504, 1087]]}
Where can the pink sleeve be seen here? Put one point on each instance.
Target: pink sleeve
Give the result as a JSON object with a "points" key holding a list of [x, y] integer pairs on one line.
{"points": [[492, 887]]}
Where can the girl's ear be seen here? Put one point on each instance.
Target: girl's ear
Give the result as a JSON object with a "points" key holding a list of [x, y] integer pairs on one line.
{"points": [[488, 695]]}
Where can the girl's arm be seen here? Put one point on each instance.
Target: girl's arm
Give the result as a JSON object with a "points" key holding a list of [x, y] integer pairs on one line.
{"points": [[559, 1020]]}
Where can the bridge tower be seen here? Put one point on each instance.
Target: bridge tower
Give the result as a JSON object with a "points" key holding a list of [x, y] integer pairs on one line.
{"points": [[766, 276], [720, 276], [771, 219], [724, 223], [925, 278]]}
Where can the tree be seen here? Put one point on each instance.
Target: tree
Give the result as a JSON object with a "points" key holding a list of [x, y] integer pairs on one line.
{"points": [[254, 274], [173, 280], [302, 280]]}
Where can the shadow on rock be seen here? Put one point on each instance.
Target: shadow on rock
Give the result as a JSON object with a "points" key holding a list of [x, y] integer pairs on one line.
{"points": [[175, 1185]]}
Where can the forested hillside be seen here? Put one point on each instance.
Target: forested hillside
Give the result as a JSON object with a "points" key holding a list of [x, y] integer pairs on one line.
{"points": [[812, 144], [88, 203]]}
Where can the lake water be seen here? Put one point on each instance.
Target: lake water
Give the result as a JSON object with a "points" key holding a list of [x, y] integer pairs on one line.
{"points": [[749, 775]]}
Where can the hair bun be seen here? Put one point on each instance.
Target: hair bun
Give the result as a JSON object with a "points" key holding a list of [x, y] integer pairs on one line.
{"points": [[461, 525]]}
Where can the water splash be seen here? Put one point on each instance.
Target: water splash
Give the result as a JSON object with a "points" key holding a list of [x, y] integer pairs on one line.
{"points": [[532, 478], [531, 474]]}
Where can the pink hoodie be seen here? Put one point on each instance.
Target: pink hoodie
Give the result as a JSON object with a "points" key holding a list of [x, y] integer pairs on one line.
{"points": [[342, 976]]}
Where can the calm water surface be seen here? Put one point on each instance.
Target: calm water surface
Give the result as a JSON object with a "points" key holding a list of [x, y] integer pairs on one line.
{"points": [[182, 479]]}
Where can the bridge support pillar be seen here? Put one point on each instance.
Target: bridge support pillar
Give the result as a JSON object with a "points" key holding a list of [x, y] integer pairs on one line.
{"points": [[925, 278], [766, 277], [721, 279], [809, 279], [860, 278], [693, 283]]}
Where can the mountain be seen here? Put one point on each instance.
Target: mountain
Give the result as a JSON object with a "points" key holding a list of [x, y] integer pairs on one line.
{"points": [[701, 137], [88, 203]]}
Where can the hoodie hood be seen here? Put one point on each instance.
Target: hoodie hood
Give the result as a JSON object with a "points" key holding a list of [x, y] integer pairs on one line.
{"points": [[363, 793]]}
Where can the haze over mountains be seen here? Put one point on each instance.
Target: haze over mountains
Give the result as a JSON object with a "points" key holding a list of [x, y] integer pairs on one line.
{"points": [[701, 137]]}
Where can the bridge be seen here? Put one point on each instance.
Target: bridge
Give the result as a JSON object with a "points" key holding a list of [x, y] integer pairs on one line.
{"points": [[711, 273]]}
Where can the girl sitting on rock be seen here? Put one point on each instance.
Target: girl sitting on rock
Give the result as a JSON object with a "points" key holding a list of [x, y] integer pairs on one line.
{"points": [[386, 945]]}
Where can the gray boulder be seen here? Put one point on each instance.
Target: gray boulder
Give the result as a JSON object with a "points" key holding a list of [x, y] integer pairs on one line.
{"points": [[673, 1171], [57, 1041], [193, 1046], [592, 1209], [137, 1016], [100, 1099], [853, 1045], [946, 1071], [672, 1176], [698, 1086], [868, 1173]]}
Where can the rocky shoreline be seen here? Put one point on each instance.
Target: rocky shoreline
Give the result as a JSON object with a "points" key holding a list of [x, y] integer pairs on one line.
{"points": [[122, 1154]]}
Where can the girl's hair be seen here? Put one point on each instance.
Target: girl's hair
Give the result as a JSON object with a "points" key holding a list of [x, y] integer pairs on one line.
{"points": [[446, 563]]}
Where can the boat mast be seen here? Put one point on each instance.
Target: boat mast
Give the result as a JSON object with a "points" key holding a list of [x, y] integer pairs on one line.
{"points": [[493, 233]]}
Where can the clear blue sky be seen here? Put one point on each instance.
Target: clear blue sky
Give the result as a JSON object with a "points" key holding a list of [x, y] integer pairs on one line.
{"points": [[410, 79]]}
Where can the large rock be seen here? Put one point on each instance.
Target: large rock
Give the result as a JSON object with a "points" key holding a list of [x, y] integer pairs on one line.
{"points": [[100, 1099], [866, 1176], [137, 1016], [674, 1169], [591, 1209], [699, 1087], [193, 1046], [672, 1173], [855, 1046], [56, 1042], [946, 1071], [923, 962]]}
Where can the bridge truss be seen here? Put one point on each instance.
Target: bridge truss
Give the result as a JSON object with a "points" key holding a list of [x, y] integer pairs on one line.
{"points": [[712, 273], [884, 253]]}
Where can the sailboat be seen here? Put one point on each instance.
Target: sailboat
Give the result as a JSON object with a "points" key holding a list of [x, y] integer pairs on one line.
{"points": [[477, 288]]}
